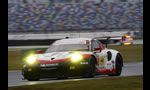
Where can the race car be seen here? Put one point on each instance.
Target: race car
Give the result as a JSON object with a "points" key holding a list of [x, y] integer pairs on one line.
{"points": [[72, 57], [126, 40]]}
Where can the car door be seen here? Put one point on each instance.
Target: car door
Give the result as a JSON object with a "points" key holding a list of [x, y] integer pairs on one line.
{"points": [[100, 56]]}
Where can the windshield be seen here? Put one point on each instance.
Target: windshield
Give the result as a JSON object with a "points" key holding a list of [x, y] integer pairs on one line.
{"points": [[68, 47]]}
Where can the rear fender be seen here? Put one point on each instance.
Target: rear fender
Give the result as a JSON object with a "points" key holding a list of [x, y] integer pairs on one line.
{"points": [[113, 57]]}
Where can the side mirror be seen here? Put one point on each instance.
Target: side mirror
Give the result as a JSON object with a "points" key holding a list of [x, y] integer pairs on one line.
{"points": [[39, 51], [98, 49]]}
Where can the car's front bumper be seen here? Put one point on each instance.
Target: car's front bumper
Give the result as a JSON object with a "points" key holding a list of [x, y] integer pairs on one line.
{"points": [[63, 69]]}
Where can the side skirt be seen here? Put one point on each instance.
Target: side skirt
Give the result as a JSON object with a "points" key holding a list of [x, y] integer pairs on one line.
{"points": [[106, 71]]}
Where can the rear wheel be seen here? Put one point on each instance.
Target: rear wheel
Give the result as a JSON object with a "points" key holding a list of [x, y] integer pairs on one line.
{"points": [[91, 69], [119, 65]]}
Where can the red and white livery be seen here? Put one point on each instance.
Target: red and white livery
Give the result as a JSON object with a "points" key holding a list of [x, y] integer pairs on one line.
{"points": [[85, 57]]}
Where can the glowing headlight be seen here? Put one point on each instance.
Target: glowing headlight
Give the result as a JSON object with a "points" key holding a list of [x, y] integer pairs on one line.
{"points": [[31, 59], [76, 57]]}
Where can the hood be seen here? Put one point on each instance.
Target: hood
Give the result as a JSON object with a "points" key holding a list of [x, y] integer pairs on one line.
{"points": [[53, 56], [58, 55]]}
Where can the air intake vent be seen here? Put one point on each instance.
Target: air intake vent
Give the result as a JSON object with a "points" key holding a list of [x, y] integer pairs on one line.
{"points": [[52, 58]]}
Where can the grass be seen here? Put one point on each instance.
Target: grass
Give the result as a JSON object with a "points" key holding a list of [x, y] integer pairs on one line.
{"points": [[132, 53], [120, 83], [14, 60]]}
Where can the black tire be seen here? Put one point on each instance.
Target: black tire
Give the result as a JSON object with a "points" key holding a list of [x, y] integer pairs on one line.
{"points": [[31, 76], [119, 65], [91, 68]]}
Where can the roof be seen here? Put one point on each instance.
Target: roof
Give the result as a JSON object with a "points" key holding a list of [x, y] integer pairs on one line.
{"points": [[72, 41]]}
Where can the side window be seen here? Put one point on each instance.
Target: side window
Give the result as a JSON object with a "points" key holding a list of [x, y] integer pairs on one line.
{"points": [[95, 44]]}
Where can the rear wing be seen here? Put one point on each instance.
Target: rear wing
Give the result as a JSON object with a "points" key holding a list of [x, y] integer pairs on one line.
{"points": [[108, 38]]}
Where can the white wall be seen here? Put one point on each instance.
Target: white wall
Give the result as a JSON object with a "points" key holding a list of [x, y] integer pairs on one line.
{"points": [[63, 35]]}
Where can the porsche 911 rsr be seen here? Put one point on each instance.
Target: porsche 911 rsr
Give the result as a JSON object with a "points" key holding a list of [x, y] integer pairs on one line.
{"points": [[64, 58]]}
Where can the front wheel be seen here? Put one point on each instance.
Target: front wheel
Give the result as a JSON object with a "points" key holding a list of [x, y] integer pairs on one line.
{"points": [[119, 65], [91, 69], [31, 76]]}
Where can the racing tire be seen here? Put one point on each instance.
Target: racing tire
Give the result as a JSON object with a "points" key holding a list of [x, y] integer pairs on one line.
{"points": [[119, 65], [31, 77], [91, 68]]}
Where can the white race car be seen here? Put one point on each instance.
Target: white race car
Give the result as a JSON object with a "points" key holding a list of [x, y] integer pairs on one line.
{"points": [[64, 58]]}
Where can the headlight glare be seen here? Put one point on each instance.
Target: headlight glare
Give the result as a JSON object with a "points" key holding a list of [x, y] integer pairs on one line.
{"points": [[31, 59], [76, 57]]}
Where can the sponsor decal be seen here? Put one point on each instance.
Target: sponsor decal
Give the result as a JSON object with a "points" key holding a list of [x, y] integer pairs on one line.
{"points": [[113, 61], [101, 61], [43, 65], [108, 63], [83, 62], [46, 65], [101, 68]]}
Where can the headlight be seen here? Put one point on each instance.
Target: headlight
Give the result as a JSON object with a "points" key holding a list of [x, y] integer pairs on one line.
{"points": [[76, 57], [31, 59]]}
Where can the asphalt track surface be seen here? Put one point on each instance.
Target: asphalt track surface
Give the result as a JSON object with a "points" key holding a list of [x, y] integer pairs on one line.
{"points": [[129, 69]]}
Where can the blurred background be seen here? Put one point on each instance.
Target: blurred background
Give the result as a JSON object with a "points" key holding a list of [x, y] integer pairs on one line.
{"points": [[40, 22]]}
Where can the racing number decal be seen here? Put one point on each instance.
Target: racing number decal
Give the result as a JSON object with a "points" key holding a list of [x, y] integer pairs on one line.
{"points": [[101, 61]]}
